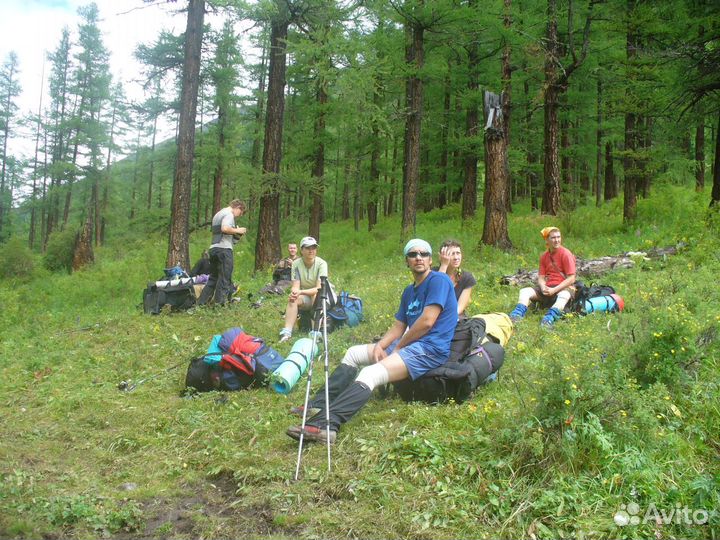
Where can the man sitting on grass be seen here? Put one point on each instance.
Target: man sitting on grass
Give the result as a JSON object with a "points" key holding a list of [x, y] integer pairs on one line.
{"points": [[417, 342], [555, 281]]}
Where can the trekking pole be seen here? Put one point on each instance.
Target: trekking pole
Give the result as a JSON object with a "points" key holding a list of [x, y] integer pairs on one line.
{"points": [[128, 386], [324, 291], [307, 398]]}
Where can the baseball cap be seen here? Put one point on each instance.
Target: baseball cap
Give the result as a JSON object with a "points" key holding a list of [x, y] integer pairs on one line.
{"points": [[308, 241]]}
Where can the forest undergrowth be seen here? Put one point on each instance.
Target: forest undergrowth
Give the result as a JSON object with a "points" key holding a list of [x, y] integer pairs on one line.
{"points": [[607, 419]]}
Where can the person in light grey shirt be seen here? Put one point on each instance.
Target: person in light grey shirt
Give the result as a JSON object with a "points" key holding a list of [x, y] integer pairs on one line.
{"points": [[224, 234]]}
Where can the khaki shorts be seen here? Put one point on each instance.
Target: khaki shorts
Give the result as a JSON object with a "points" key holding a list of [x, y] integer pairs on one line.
{"points": [[305, 302], [545, 301]]}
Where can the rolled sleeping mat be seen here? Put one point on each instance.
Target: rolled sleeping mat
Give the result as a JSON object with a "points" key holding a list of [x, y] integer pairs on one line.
{"points": [[304, 350], [610, 303]]}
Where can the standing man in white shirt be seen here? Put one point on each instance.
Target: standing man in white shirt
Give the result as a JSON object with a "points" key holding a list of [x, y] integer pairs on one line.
{"points": [[224, 235]]}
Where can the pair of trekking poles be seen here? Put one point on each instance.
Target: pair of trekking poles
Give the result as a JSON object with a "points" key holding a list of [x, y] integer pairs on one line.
{"points": [[318, 328]]}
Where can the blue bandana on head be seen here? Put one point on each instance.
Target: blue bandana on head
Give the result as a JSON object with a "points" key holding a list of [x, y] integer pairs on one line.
{"points": [[417, 243]]}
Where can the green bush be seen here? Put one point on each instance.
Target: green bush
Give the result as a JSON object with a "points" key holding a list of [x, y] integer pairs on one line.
{"points": [[16, 259], [59, 252]]}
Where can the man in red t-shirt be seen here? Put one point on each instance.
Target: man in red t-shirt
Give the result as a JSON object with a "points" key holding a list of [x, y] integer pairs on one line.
{"points": [[555, 280]]}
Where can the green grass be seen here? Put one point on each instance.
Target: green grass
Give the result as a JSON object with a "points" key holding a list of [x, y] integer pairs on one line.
{"points": [[603, 412]]}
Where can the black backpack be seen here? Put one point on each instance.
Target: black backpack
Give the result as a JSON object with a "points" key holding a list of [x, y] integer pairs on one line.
{"points": [[474, 358], [584, 293], [179, 297]]}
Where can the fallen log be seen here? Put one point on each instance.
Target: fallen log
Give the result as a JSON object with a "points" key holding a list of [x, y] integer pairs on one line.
{"points": [[592, 268]]}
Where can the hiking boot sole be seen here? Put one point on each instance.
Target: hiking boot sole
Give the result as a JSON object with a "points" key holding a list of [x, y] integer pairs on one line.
{"points": [[311, 435]]}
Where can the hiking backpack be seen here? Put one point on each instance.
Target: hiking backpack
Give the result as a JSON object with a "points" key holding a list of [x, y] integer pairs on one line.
{"points": [[584, 293], [475, 358], [235, 360], [348, 310], [179, 294]]}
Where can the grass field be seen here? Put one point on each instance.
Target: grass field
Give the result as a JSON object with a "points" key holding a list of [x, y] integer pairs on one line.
{"points": [[607, 415]]}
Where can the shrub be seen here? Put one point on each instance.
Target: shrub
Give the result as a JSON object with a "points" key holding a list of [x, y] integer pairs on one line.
{"points": [[16, 259], [59, 252]]}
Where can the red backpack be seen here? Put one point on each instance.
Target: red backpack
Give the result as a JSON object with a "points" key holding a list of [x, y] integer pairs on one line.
{"points": [[241, 353]]}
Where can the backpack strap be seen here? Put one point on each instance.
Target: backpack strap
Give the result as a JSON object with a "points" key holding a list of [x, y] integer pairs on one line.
{"points": [[552, 261]]}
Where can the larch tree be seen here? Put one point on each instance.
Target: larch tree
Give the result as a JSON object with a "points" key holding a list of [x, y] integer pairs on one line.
{"points": [[557, 78], [9, 90], [224, 74], [59, 129], [495, 231], [267, 245], [178, 238]]}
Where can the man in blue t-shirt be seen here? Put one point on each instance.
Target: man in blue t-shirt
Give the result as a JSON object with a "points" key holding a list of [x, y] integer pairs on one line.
{"points": [[417, 342]]}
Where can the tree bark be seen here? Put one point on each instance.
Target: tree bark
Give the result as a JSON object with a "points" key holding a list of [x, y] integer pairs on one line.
{"points": [[470, 158], [629, 161], [506, 96], [267, 246], [33, 210], [598, 146], [495, 231], [178, 241], [414, 58], [551, 171], [715, 195], [260, 106], [318, 171], [700, 151], [83, 250], [611, 190], [444, 131]]}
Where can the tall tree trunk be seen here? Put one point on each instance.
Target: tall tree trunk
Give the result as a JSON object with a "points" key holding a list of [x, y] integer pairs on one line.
{"points": [[415, 59], [531, 160], [100, 221], [551, 171], [318, 171], [267, 246], [566, 163], [631, 120], [178, 241], [219, 174], [495, 231], [33, 207], [715, 195], [346, 185], [598, 146], [631, 169], [372, 203], [45, 202], [469, 191], [700, 150], [507, 94], [133, 194], [260, 107], [644, 141], [444, 131], [611, 190], [392, 198], [151, 174], [70, 182]]}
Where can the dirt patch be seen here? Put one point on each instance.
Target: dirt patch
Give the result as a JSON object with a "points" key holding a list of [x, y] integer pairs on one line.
{"points": [[212, 510]]}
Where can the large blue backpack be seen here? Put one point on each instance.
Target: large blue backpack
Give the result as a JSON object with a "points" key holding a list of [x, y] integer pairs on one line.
{"points": [[348, 310]]}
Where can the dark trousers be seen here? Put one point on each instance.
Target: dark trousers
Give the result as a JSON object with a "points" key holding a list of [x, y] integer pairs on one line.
{"points": [[220, 280]]}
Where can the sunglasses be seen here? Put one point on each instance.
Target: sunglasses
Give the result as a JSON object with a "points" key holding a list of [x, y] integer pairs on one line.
{"points": [[413, 254]]}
